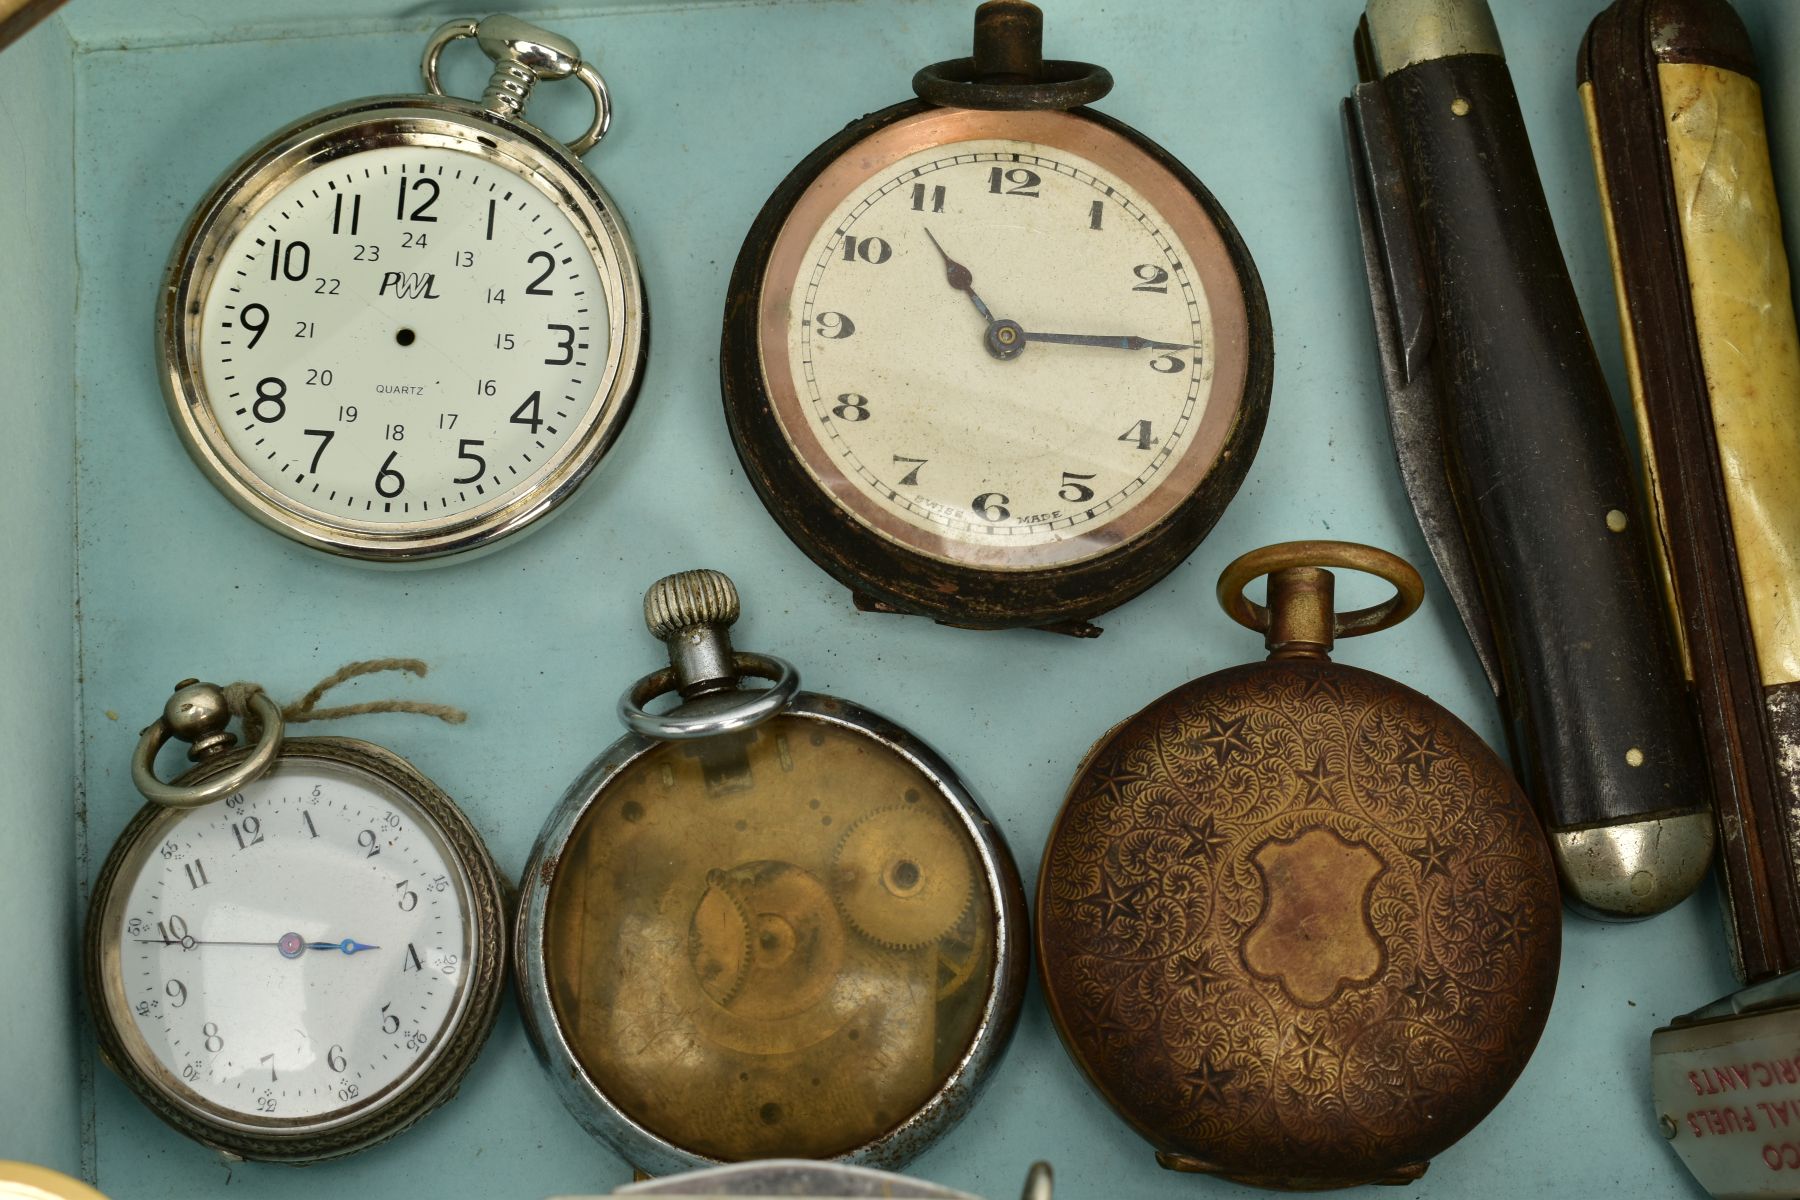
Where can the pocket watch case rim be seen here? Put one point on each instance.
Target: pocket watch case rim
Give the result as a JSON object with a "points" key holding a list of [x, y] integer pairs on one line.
{"points": [[291, 152], [429, 1085], [886, 576], [646, 1151]]}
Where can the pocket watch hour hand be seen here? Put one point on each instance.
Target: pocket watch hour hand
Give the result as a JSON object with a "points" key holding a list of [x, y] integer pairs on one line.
{"points": [[960, 279]]}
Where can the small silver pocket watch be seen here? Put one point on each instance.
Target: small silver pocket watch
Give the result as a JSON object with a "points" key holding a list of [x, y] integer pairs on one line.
{"points": [[297, 949], [765, 923], [408, 326]]}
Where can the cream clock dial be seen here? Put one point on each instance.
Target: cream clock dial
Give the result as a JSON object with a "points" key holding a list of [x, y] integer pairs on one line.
{"points": [[1000, 345]]}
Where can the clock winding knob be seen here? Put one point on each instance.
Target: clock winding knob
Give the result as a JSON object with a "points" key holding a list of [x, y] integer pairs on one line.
{"points": [[688, 599]]}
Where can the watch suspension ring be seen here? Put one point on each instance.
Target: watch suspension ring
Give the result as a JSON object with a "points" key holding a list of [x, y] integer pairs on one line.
{"points": [[1008, 69], [747, 709], [524, 56], [1300, 618], [197, 713]]}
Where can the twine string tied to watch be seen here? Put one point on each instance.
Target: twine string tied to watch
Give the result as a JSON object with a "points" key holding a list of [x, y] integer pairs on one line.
{"points": [[306, 708]]}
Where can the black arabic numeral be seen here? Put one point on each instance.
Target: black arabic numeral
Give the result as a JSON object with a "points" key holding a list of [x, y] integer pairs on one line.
{"points": [[368, 841], [991, 507], [176, 992], [311, 829], [532, 288], [872, 250], [269, 406], [1071, 483], [1174, 364], [918, 198], [270, 1059], [337, 213], [248, 832], [851, 407], [410, 961], [1151, 278], [214, 1043], [911, 478], [291, 263], [390, 1022], [1139, 435], [567, 346], [1024, 183], [527, 413], [324, 436], [1096, 214], [418, 212], [196, 874], [409, 900], [261, 324], [834, 325], [335, 1060], [389, 482], [462, 452]]}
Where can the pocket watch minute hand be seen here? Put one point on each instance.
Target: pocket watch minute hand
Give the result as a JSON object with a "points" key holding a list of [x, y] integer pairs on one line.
{"points": [[1110, 341]]}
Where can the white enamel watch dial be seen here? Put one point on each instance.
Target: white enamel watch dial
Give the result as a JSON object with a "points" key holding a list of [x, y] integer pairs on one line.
{"points": [[305, 967], [407, 327], [298, 947], [404, 335]]}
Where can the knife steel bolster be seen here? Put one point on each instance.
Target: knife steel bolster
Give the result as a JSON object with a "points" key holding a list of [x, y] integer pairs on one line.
{"points": [[1536, 463], [1634, 869], [1403, 32]]}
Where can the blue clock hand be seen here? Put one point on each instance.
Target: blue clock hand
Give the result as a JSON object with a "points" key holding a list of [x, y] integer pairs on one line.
{"points": [[348, 946]]}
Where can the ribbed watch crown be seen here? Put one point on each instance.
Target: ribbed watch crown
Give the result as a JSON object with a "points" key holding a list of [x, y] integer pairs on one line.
{"points": [[689, 598]]}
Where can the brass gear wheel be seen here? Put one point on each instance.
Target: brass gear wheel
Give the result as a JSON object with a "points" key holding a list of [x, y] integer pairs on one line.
{"points": [[720, 948], [902, 877]]}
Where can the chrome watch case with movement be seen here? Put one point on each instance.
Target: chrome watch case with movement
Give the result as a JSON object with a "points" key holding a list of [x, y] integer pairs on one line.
{"points": [[295, 950], [991, 356], [408, 326], [765, 923]]}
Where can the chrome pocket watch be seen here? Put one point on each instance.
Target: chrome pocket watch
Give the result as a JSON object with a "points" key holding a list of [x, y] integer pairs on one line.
{"points": [[408, 326], [296, 949], [991, 356], [1297, 923], [765, 923]]}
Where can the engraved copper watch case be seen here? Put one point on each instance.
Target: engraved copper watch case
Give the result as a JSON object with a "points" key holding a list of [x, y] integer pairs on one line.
{"points": [[765, 924], [1297, 923], [1055, 558]]}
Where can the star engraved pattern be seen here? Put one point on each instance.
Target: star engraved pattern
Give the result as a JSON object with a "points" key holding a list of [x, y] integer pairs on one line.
{"points": [[1418, 753], [1197, 974], [1207, 1082], [1433, 857], [1317, 778], [1311, 1045], [1113, 780], [1115, 901], [1108, 1021], [1204, 837], [1227, 738]]}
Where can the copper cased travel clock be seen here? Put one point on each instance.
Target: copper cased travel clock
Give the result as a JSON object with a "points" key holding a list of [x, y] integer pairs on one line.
{"points": [[1297, 923], [409, 326], [765, 923], [993, 357]]}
